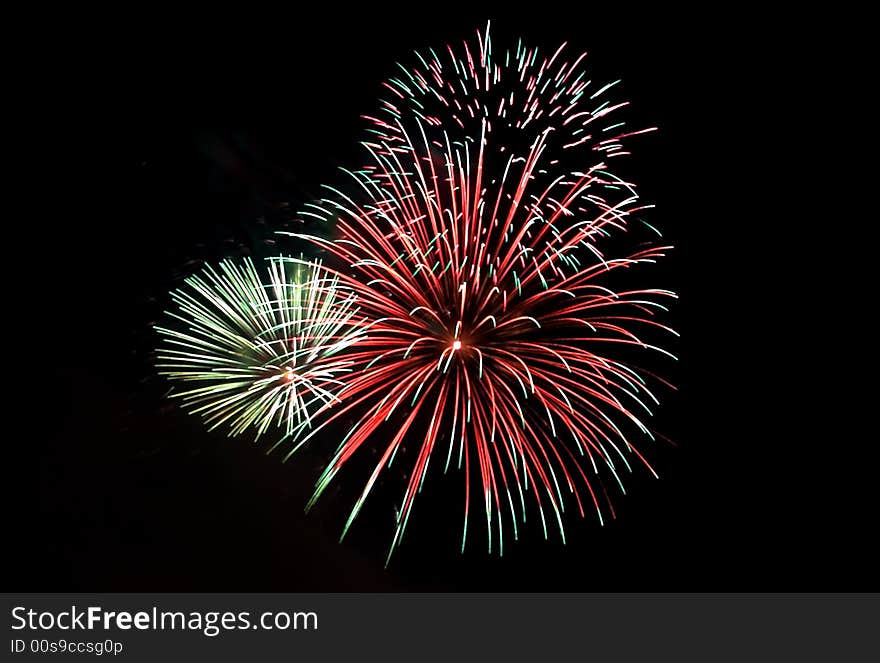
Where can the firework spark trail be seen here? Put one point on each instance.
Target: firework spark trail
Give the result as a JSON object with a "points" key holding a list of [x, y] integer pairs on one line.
{"points": [[254, 355], [475, 253]]}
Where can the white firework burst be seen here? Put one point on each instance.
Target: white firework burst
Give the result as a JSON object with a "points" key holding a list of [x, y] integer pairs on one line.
{"points": [[255, 355]]}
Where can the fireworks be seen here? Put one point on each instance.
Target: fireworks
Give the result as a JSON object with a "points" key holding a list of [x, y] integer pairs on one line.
{"points": [[250, 355], [480, 308], [475, 240]]}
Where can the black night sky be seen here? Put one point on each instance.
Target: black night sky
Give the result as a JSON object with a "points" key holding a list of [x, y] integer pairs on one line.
{"points": [[193, 143]]}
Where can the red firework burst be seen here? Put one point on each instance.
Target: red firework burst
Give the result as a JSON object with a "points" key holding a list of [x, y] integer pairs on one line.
{"points": [[495, 332]]}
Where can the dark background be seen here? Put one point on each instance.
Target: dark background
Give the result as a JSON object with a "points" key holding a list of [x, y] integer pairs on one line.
{"points": [[186, 143]]}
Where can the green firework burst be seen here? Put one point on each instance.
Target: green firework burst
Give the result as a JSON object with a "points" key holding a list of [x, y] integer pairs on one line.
{"points": [[255, 355]]}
